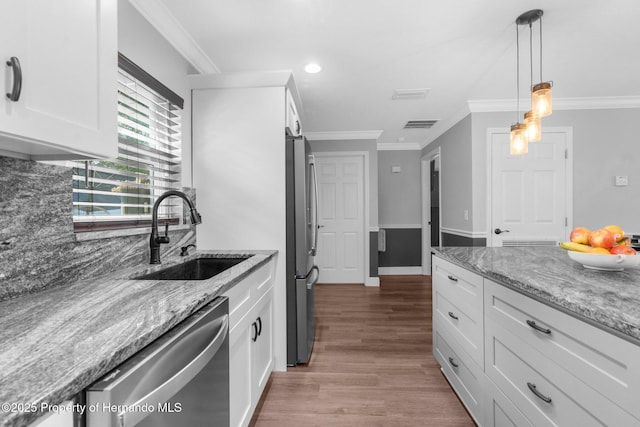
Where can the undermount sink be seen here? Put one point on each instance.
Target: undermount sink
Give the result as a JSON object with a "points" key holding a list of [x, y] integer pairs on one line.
{"points": [[195, 269]]}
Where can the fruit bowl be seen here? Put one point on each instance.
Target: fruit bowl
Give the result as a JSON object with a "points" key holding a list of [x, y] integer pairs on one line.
{"points": [[605, 262]]}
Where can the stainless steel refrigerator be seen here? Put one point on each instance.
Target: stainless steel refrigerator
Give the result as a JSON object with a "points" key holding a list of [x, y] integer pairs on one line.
{"points": [[302, 239]]}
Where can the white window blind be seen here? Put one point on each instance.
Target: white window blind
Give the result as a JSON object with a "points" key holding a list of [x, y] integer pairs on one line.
{"points": [[120, 193]]}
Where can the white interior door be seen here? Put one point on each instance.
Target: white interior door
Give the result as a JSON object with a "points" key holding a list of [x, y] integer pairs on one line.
{"points": [[340, 255], [530, 194]]}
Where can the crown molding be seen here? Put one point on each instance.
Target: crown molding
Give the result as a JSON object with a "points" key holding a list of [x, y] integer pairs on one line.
{"points": [[161, 18], [336, 136], [399, 146], [584, 103]]}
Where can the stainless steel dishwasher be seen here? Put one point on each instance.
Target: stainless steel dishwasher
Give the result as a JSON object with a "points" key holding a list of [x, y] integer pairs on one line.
{"points": [[181, 379]]}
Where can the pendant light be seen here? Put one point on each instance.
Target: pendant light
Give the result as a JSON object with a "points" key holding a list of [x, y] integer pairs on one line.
{"points": [[519, 144], [519, 140]]}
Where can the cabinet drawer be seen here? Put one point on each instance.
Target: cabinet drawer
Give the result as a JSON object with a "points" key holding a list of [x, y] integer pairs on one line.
{"points": [[463, 374], [463, 324], [499, 411], [545, 393], [460, 285], [606, 364], [248, 291]]}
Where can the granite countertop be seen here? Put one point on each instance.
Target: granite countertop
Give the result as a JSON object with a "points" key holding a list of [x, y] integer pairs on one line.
{"points": [[58, 341], [607, 299]]}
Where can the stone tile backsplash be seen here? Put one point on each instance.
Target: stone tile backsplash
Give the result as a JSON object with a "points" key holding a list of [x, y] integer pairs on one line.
{"points": [[38, 247]]}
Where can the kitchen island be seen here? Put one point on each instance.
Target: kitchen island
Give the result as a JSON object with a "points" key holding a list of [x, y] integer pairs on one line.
{"points": [[527, 336], [607, 299], [58, 341]]}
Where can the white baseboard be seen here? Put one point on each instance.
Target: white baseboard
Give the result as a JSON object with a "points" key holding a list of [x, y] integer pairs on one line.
{"points": [[399, 270], [373, 282]]}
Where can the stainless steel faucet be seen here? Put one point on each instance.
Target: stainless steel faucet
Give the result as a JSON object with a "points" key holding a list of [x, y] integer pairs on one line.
{"points": [[155, 240]]}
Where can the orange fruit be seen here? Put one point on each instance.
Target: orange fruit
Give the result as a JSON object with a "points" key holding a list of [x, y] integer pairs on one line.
{"points": [[618, 233], [599, 251]]}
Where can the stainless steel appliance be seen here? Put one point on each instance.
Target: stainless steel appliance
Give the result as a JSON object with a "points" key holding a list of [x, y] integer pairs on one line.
{"points": [[181, 379], [302, 240]]}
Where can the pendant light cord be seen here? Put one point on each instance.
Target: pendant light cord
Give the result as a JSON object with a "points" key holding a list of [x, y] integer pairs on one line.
{"points": [[541, 48], [517, 74], [530, 56]]}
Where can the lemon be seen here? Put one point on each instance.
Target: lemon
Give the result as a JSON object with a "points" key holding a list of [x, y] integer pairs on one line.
{"points": [[618, 233]]}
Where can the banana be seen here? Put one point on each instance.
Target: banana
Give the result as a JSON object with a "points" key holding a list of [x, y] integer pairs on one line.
{"points": [[578, 247]]}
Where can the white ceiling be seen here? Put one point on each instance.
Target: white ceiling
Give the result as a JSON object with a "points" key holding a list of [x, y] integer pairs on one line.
{"points": [[460, 50]]}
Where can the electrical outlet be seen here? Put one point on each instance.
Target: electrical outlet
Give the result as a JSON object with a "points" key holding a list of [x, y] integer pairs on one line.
{"points": [[622, 180]]}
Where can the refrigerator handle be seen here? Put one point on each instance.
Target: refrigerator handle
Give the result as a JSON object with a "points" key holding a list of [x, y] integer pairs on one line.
{"points": [[314, 221], [312, 283]]}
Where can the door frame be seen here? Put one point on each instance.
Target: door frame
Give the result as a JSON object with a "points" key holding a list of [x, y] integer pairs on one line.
{"points": [[568, 131], [425, 179], [366, 279]]}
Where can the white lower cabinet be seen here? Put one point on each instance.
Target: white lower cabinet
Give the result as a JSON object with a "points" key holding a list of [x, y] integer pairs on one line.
{"points": [[541, 367], [499, 411], [556, 369], [250, 342], [457, 335], [59, 416]]}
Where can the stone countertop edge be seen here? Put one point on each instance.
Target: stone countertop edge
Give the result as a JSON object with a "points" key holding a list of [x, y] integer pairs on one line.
{"points": [[58, 341], [606, 299]]}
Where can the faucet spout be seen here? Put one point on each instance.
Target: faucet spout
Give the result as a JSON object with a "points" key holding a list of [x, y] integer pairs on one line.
{"points": [[155, 240]]}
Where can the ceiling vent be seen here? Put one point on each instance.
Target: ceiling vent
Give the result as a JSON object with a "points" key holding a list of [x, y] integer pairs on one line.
{"points": [[419, 124], [406, 94]]}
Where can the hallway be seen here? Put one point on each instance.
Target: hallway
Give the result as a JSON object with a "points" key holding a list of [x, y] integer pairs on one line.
{"points": [[371, 365]]}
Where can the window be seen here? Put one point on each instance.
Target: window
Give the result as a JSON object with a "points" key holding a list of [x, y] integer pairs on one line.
{"points": [[120, 193]]}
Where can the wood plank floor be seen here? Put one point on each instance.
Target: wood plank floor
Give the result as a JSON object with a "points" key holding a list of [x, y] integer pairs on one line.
{"points": [[371, 364]]}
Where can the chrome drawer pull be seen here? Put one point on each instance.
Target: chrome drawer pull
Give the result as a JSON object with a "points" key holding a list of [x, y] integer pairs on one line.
{"points": [[453, 279], [539, 395], [454, 364], [538, 328], [453, 316]]}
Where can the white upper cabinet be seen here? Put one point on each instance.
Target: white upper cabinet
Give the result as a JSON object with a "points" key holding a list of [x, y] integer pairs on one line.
{"points": [[66, 78]]}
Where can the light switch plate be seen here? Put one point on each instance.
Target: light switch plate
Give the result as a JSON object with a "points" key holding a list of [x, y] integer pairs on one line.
{"points": [[622, 180]]}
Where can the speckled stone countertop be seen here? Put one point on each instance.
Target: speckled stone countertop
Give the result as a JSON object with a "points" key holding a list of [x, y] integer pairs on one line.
{"points": [[608, 299], [58, 341]]}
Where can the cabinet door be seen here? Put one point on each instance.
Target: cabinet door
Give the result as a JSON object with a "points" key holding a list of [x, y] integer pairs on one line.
{"points": [[263, 345], [67, 51], [240, 374], [62, 418]]}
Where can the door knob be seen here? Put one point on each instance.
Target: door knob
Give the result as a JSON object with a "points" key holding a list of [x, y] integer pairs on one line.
{"points": [[498, 231]]}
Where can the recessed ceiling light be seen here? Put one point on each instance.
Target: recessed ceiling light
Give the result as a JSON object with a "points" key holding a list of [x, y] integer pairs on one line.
{"points": [[312, 68]]}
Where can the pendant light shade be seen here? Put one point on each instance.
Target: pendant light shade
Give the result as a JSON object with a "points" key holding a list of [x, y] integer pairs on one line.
{"points": [[541, 102], [519, 141], [534, 126]]}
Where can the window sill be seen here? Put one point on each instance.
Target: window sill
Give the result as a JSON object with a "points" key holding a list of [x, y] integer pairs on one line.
{"points": [[123, 232]]}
